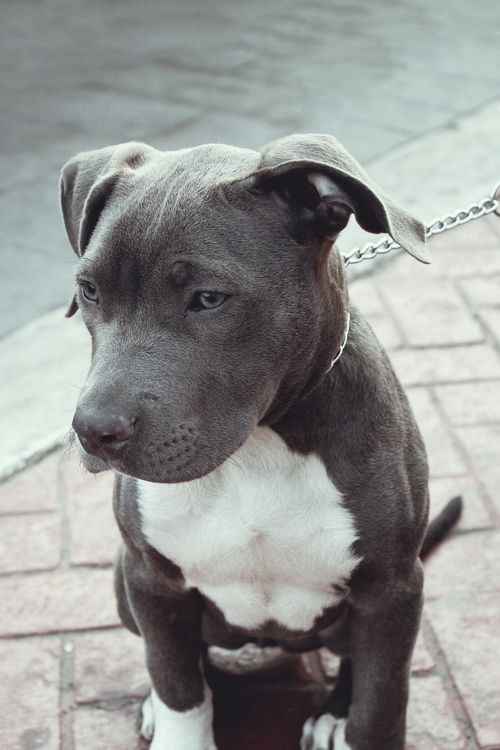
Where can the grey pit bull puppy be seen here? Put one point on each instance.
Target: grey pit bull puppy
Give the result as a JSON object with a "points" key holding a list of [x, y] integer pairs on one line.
{"points": [[263, 494]]}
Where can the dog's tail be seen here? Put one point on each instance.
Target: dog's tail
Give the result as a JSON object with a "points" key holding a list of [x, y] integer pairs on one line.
{"points": [[440, 526]]}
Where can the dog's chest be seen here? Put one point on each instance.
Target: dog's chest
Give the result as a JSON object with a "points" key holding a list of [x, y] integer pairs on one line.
{"points": [[265, 537]]}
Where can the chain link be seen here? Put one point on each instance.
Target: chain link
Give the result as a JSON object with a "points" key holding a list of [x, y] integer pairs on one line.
{"points": [[474, 211]]}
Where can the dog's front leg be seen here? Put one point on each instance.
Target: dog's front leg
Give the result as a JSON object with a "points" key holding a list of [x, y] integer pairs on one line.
{"points": [[375, 680], [178, 712], [382, 645]]}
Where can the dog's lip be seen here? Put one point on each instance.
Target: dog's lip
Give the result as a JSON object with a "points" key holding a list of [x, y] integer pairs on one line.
{"points": [[94, 462], [123, 468], [103, 460], [91, 448], [99, 451]]}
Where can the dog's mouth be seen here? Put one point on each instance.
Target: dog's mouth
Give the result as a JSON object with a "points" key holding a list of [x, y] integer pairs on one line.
{"points": [[94, 464], [151, 466]]}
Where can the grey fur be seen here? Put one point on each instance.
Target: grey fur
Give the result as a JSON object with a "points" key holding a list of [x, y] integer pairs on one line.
{"points": [[150, 228]]}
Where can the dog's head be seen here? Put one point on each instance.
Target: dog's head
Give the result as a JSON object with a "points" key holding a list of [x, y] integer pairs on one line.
{"points": [[207, 280]]}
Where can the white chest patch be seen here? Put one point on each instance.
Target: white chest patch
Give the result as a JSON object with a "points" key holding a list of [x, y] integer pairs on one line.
{"points": [[265, 536]]}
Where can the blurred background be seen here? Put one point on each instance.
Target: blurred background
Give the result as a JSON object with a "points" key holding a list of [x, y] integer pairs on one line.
{"points": [[175, 73]]}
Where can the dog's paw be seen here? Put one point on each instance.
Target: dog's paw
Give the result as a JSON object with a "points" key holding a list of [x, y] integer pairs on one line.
{"points": [[147, 719], [324, 732], [177, 730]]}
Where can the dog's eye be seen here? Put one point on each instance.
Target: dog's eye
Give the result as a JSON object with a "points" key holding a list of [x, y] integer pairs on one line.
{"points": [[207, 300], [89, 291]]}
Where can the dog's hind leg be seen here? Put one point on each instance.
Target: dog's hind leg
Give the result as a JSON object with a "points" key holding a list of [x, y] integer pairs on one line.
{"points": [[340, 698], [328, 725], [122, 600]]}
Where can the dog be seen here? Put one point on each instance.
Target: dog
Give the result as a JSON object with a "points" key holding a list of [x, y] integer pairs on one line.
{"points": [[271, 482]]}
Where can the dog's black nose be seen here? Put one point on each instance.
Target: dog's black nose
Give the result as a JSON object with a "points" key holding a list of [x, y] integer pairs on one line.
{"points": [[102, 433]]}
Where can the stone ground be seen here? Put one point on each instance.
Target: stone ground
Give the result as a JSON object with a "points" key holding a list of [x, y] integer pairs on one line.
{"points": [[72, 679], [80, 75]]}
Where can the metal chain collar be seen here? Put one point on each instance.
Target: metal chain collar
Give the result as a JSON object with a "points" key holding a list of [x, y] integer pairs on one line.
{"points": [[474, 211]]}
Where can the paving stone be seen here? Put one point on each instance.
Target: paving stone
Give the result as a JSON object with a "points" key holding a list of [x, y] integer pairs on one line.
{"points": [[94, 535], [468, 629], [492, 319], [493, 222], [482, 292], [464, 563], [109, 728], [428, 308], [386, 331], [34, 489], [63, 600], [445, 364], [422, 661], [109, 665], [442, 454], [474, 234], [29, 694], [475, 261], [29, 542], [43, 366], [431, 722], [364, 294], [470, 403], [483, 448], [475, 514]]}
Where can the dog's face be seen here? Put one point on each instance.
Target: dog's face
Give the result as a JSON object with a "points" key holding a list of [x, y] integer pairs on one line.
{"points": [[206, 281]]}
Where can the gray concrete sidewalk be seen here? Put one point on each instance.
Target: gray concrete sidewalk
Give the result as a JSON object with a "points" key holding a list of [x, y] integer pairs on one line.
{"points": [[83, 75]]}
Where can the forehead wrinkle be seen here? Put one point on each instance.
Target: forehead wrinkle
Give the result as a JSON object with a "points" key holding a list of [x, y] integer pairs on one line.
{"points": [[166, 198], [184, 271], [85, 265], [186, 268], [179, 273]]}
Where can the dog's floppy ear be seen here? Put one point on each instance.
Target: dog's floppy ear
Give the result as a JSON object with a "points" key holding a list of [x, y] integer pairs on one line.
{"points": [[86, 185], [323, 184]]}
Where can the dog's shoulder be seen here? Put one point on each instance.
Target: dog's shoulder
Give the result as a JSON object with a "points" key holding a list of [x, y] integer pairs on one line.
{"points": [[368, 440]]}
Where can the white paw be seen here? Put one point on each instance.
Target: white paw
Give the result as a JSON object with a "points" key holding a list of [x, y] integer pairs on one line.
{"points": [[324, 732], [177, 730], [147, 719]]}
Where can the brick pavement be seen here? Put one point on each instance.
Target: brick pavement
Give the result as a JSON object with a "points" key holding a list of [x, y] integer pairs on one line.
{"points": [[72, 679]]}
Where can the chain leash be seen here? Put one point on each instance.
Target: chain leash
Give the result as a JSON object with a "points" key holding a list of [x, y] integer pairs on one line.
{"points": [[474, 211]]}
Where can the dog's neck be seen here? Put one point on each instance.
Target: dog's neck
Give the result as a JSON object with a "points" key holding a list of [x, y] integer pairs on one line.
{"points": [[322, 346], [334, 415], [343, 344]]}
